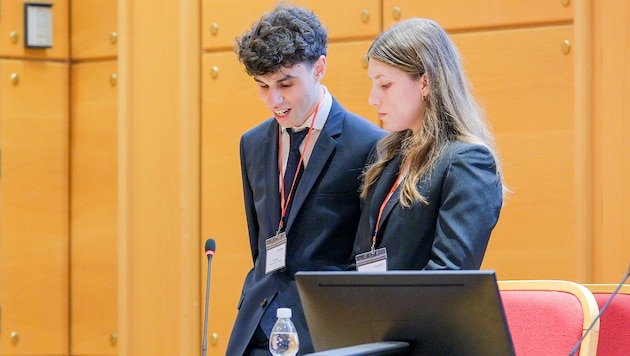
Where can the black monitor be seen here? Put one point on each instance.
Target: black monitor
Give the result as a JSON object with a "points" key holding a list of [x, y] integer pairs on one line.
{"points": [[436, 312]]}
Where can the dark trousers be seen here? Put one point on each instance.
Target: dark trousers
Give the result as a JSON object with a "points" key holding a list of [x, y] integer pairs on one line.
{"points": [[259, 344]]}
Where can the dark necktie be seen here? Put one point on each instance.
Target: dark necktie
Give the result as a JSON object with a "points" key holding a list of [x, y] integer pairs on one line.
{"points": [[292, 162]]}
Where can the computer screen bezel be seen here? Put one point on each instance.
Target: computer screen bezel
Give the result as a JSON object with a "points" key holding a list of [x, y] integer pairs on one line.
{"points": [[437, 312]]}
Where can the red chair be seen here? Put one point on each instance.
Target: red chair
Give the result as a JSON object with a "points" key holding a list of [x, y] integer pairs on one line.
{"points": [[614, 327], [549, 317]]}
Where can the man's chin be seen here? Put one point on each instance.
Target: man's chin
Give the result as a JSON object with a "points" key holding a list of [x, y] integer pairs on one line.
{"points": [[285, 122]]}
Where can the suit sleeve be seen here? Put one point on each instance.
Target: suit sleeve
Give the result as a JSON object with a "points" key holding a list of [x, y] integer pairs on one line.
{"points": [[469, 209], [250, 209]]}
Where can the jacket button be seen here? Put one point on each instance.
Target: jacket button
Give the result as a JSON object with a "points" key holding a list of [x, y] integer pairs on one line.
{"points": [[263, 303]]}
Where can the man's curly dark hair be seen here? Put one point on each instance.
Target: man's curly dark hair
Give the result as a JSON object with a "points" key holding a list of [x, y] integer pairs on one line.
{"points": [[282, 38]]}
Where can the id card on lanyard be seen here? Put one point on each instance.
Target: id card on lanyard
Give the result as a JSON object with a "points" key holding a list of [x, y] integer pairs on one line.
{"points": [[375, 260], [372, 261], [276, 247]]}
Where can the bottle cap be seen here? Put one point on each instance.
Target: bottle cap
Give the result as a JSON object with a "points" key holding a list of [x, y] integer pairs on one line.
{"points": [[283, 313]]}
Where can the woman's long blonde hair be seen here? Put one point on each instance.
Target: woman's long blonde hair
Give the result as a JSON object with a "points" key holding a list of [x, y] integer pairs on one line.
{"points": [[418, 46]]}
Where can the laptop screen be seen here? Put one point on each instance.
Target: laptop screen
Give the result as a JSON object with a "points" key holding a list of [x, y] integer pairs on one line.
{"points": [[436, 312]]}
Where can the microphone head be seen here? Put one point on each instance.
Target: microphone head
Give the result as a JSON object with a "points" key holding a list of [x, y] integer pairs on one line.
{"points": [[210, 247]]}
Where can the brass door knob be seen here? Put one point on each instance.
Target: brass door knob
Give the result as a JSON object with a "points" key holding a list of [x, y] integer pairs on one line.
{"points": [[14, 36], [396, 13], [15, 78], [14, 337], [365, 16]]}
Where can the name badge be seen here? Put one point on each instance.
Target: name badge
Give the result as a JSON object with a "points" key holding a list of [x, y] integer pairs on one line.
{"points": [[276, 252], [372, 261]]}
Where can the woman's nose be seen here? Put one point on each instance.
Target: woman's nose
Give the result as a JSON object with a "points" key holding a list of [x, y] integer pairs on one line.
{"points": [[372, 99]]}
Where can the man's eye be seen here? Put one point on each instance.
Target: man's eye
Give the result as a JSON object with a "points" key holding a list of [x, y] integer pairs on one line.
{"points": [[386, 85]]}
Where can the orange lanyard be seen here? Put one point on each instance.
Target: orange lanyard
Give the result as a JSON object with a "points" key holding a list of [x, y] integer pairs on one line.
{"points": [[283, 203], [380, 212]]}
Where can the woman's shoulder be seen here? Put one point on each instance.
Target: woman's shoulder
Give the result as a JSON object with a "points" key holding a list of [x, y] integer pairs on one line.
{"points": [[459, 147], [464, 153]]}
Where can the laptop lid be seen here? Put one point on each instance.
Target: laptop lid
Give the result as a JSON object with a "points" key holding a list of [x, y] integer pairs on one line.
{"points": [[437, 312]]}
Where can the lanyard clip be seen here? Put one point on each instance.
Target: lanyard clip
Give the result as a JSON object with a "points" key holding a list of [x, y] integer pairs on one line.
{"points": [[373, 248], [280, 229]]}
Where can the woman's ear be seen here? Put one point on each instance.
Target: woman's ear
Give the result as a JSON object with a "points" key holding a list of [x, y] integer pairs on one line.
{"points": [[424, 86]]}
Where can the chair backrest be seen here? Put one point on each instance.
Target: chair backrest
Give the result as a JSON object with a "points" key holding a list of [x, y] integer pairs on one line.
{"points": [[614, 327], [549, 317]]}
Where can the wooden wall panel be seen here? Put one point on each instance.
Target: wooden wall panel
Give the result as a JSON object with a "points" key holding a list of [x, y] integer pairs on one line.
{"points": [[230, 106], [224, 20], [611, 130], [479, 14], [159, 247], [346, 77], [94, 29], [34, 184], [525, 83], [94, 209], [347, 20], [12, 30]]}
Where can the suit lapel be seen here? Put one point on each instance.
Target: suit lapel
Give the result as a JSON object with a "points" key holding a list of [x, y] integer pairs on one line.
{"points": [[323, 149], [386, 181], [269, 158]]}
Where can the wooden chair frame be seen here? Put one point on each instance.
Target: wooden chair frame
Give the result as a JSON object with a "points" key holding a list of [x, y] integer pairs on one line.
{"points": [[584, 296], [608, 289]]}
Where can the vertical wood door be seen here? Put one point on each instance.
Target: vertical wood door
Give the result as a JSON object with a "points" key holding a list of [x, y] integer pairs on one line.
{"points": [[34, 242], [524, 81], [611, 167], [229, 107], [94, 209]]}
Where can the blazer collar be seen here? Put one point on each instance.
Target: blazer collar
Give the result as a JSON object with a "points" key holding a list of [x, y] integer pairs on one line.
{"points": [[322, 152], [383, 187], [269, 155]]}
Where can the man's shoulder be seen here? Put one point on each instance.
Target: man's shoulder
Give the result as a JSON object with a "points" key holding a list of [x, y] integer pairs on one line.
{"points": [[355, 122], [261, 130]]}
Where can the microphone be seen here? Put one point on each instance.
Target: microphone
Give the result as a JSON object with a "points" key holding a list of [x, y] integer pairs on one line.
{"points": [[577, 346], [210, 248]]}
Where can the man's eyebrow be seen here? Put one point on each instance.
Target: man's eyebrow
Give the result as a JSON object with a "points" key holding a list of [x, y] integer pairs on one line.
{"points": [[285, 78]]}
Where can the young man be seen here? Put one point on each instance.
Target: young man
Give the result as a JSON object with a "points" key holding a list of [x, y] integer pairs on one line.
{"points": [[306, 218]]}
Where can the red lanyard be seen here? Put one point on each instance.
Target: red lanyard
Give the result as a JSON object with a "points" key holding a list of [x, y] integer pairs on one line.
{"points": [[284, 203], [380, 212]]}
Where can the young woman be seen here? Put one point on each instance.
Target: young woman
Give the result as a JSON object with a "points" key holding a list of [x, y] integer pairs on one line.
{"points": [[434, 192]]}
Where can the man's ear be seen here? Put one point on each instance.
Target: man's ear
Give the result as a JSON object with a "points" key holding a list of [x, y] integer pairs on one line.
{"points": [[320, 67]]}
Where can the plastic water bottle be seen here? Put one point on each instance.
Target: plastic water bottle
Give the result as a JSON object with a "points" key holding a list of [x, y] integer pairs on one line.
{"points": [[283, 340]]}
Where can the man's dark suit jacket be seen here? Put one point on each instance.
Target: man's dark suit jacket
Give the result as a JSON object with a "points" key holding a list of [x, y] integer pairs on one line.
{"points": [[321, 224], [452, 231]]}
